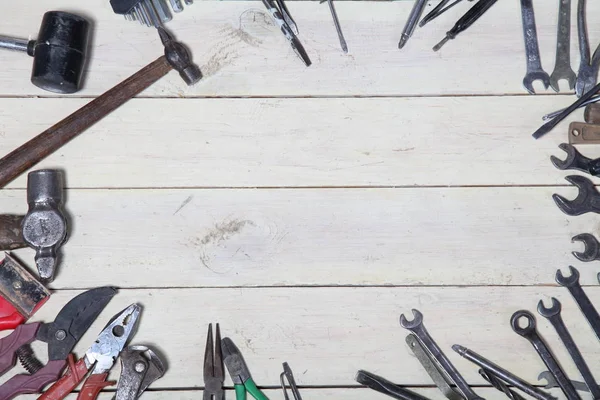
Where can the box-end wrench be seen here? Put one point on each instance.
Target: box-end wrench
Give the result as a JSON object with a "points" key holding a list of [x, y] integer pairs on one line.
{"points": [[418, 329], [583, 301], [552, 314], [532, 50], [530, 333], [588, 68], [562, 67]]}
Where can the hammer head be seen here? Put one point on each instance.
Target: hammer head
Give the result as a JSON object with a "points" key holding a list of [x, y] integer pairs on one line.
{"points": [[179, 58], [59, 52]]}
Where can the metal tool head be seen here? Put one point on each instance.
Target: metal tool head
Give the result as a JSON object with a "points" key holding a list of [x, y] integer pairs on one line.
{"points": [[179, 58], [214, 374], [587, 200], [414, 323], [140, 367], [571, 156], [549, 378], [535, 76], [238, 370], [569, 281], [560, 74], [523, 315], [591, 245], [73, 321], [288, 375], [548, 312], [112, 340]]}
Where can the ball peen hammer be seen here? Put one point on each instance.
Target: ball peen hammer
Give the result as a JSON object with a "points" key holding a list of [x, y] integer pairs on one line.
{"points": [[176, 57]]}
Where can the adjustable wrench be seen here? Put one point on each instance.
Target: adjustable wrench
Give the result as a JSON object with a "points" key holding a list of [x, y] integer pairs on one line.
{"points": [[552, 314], [562, 67], [583, 301], [418, 329], [530, 333], [532, 50]]}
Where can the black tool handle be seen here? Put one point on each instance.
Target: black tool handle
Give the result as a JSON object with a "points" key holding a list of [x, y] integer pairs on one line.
{"points": [[472, 15]]}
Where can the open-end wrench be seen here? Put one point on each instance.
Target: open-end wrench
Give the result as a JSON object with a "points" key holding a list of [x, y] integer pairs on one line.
{"points": [[587, 200], [552, 314], [532, 50], [591, 245], [551, 382], [577, 161], [583, 301], [588, 68], [418, 329], [530, 333], [562, 67]]}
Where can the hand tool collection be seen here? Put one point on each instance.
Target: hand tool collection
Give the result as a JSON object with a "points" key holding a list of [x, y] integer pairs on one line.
{"points": [[451, 383]]}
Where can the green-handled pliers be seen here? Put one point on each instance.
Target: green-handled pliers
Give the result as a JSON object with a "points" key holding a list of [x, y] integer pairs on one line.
{"points": [[238, 370]]}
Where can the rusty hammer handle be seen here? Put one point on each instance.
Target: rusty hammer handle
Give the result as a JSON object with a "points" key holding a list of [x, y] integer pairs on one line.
{"points": [[53, 138]]}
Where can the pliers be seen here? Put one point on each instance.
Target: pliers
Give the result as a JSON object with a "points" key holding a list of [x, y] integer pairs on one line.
{"points": [[61, 335], [240, 375], [99, 358], [214, 374]]}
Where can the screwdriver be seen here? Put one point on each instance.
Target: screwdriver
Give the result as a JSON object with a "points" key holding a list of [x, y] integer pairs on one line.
{"points": [[466, 21]]}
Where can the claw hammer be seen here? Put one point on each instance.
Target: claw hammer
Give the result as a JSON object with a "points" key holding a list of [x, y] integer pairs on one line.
{"points": [[29, 154]]}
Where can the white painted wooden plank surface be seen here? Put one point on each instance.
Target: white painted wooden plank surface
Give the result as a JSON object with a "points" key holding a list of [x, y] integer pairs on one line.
{"points": [[243, 54], [191, 238], [327, 335], [301, 142]]}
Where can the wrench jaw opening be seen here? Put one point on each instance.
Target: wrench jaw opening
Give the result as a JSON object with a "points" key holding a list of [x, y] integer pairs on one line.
{"points": [[559, 75], [416, 322], [516, 326], [587, 200], [549, 312], [591, 245], [568, 162], [535, 76], [570, 281]]}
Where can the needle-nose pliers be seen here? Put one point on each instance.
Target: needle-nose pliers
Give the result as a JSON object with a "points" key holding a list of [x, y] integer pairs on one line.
{"points": [[240, 375]]}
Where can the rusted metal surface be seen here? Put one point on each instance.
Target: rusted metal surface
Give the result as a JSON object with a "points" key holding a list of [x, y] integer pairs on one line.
{"points": [[11, 234]]}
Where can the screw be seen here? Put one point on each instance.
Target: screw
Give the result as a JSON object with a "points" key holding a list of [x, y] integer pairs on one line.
{"points": [[17, 285], [60, 335], [140, 367]]}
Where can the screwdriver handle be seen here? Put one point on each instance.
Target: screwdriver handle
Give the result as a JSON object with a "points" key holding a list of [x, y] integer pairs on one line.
{"points": [[472, 15]]}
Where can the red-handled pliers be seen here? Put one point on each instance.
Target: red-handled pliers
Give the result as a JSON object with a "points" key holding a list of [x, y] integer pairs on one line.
{"points": [[99, 358]]}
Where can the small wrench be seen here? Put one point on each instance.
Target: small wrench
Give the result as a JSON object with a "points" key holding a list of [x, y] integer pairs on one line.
{"points": [[530, 333], [583, 301], [577, 161], [562, 66], [588, 69], [551, 382], [588, 199], [418, 329], [552, 314], [592, 247], [532, 50]]}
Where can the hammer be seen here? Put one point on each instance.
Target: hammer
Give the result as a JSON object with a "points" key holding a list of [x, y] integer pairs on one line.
{"points": [[58, 53], [29, 154]]}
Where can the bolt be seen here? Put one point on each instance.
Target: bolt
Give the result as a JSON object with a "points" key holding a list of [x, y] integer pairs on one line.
{"points": [[60, 335], [140, 366], [17, 285]]}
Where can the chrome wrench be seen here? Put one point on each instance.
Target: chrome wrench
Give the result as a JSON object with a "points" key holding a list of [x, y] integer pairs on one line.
{"points": [[562, 66], [552, 314], [530, 333], [532, 50], [418, 329]]}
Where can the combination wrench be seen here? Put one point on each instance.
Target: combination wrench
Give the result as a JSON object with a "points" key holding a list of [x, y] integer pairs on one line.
{"points": [[562, 67], [552, 314], [532, 50], [588, 68], [530, 333], [418, 329], [583, 301]]}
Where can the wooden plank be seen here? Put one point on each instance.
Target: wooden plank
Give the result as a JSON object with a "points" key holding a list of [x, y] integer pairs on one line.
{"points": [[225, 238], [301, 142], [243, 54], [327, 334]]}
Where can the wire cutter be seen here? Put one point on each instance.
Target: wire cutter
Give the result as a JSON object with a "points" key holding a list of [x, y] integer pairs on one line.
{"points": [[214, 376], [240, 375], [99, 358], [61, 335]]}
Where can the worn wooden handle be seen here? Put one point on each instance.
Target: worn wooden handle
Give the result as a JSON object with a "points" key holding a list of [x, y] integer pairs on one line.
{"points": [[47, 142]]}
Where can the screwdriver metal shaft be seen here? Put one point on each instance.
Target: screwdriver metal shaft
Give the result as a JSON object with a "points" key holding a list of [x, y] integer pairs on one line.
{"points": [[466, 21], [411, 23]]}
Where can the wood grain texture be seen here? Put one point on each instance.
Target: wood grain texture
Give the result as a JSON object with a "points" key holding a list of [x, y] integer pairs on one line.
{"points": [[192, 238], [301, 142], [242, 53], [327, 335]]}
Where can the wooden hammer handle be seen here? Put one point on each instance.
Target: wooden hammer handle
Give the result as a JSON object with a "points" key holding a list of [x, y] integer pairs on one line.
{"points": [[47, 142]]}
